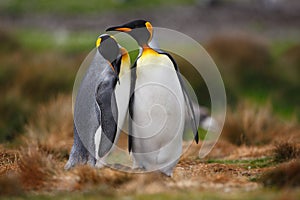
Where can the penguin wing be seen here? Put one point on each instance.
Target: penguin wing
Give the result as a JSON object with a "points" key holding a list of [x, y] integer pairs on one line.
{"points": [[187, 97], [106, 100], [86, 120], [131, 104]]}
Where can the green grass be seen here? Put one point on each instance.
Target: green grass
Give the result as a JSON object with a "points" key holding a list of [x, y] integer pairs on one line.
{"points": [[247, 163], [80, 7], [59, 41], [278, 47]]}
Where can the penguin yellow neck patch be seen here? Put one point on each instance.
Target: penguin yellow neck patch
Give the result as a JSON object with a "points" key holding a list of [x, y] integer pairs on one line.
{"points": [[125, 58], [149, 51]]}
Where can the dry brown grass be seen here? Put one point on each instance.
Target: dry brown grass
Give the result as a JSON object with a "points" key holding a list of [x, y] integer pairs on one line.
{"points": [[10, 185], [285, 151], [39, 166], [40, 160], [88, 177], [37, 169], [52, 127], [8, 160], [48, 140], [285, 175], [250, 124], [9, 168]]}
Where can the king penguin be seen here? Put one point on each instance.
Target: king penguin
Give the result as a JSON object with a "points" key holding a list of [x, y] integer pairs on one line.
{"points": [[101, 104], [157, 104]]}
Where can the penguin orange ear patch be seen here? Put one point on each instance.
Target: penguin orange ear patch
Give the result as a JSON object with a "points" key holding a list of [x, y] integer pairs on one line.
{"points": [[149, 28], [98, 42]]}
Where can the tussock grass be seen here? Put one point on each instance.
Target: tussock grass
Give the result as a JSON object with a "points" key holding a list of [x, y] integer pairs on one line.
{"points": [[37, 169], [53, 131], [285, 151], [38, 163], [89, 177], [10, 185], [41, 161], [285, 175], [256, 125]]}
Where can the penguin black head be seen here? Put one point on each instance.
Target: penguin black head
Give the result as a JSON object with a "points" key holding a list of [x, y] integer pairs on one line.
{"points": [[108, 47], [140, 30]]}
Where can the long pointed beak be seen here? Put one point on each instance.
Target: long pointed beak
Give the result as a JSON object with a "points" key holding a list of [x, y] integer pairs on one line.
{"points": [[119, 28]]}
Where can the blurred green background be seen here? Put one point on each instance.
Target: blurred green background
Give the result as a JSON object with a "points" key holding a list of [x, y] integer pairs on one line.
{"points": [[255, 44]]}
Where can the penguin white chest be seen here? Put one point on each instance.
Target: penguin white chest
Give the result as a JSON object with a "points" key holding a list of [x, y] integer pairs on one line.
{"points": [[159, 100], [159, 109]]}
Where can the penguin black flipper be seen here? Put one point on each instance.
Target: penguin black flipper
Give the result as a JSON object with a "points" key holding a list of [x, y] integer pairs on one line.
{"points": [[131, 104], [106, 100], [186, 95]]}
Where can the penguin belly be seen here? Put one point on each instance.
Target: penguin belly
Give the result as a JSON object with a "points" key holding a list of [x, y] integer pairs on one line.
{"points": [[122, 91], [159, 109]]}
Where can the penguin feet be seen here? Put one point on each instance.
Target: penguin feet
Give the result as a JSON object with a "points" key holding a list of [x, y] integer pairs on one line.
{"points": [[78, 156], [137, 165], [99, 164], [75, 160], [168, 171], [91, 161]]}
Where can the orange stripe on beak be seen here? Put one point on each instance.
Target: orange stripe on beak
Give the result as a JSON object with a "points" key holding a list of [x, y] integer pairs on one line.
{"points": [[123, 29]]}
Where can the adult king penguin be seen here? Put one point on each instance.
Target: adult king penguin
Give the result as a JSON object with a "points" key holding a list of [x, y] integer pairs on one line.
{"points": [[101, 104], [157, 104]]}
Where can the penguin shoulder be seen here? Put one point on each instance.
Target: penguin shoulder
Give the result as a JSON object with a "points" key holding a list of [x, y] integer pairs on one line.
{"points": [[154, 56]]}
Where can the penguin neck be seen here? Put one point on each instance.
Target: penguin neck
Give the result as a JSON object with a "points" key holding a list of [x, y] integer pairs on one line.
{"points": [[146, 50], [125, 62], [113, 66]]}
